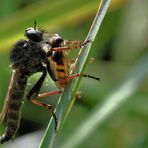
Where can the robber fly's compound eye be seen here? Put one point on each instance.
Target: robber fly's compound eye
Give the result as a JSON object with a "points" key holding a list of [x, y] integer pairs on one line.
{"points": [[34, 35]]}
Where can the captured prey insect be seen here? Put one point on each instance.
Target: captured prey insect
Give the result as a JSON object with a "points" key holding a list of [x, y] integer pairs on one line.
{"points": [[61, 65], [27, 57]]}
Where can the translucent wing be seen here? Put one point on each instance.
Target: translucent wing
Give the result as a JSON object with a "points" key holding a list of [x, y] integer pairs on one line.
{"points": [[4, 111], [71, 64]]}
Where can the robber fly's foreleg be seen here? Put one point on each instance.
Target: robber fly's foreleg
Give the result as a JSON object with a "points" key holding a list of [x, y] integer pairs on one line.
{"points": [[36, 88], [34, 92], [50, 109], [51, 72]]}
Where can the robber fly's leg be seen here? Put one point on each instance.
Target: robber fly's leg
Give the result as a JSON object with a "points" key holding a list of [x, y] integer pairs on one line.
{"points": [[35, 91], [50, 109], [51, 71], [36, 88], [47, 94]]}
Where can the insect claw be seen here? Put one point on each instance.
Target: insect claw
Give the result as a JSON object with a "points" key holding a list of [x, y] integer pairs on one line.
{"points": [[86, 42], [53, 115]]}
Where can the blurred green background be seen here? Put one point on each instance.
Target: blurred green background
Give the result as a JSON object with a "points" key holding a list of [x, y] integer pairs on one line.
{"points": [[120, 43]]}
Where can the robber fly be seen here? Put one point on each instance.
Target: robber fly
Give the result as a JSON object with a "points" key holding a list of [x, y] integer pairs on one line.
{"points": [[27, 57], [61, 66]]}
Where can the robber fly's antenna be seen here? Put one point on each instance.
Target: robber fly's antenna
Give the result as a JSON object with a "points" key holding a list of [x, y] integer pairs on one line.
{"points": [[35, 25]]}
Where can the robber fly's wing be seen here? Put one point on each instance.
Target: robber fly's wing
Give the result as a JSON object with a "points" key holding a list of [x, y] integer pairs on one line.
{"points": [[4, 111]]}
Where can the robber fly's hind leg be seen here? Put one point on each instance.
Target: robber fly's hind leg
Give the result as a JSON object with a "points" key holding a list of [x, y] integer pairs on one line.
{"points": [[36, 88], [34, 92], [50, 109]]}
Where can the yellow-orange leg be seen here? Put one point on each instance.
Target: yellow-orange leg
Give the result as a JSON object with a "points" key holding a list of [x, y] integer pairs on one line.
{"points": [[74, 76], [61, 48], [71, 61], [76, 44], [69, 45], [50, 109]]}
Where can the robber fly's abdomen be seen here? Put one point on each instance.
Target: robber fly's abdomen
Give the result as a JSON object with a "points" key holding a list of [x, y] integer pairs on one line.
{"points": [[16, 93]]}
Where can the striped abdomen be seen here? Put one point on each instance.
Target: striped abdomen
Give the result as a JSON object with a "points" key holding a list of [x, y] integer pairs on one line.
{"points": [[13, 104], [61, 75], [60, 69]]}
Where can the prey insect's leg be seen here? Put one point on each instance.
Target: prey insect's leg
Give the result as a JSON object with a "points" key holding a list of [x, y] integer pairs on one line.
{"points": [[76, 44], [86, 42], [36, 88], [50, 109], [69, 45], [61, 48], [83, 75]]}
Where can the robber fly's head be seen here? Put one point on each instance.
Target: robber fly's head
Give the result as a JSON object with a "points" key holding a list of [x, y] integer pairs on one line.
{"points": [[56, 40], [34, 34]]}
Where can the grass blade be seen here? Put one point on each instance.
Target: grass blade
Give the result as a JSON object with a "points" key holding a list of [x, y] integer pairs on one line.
{"points": [[113, 101], [67, 98]]}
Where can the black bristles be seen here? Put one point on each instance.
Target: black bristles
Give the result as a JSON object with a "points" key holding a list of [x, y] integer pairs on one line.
{"points": [[35, 25]]}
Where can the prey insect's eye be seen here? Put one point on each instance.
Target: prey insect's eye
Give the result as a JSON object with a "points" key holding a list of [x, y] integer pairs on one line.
{"points": [[57, 37], [34, 35], [56, 40]]}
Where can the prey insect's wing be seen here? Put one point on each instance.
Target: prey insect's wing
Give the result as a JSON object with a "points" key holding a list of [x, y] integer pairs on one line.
{"points": [[67, 65], [4, 111], [70, 65]]}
